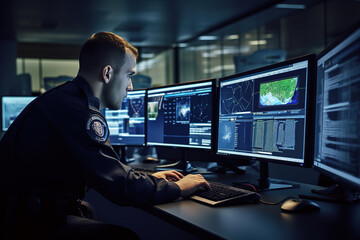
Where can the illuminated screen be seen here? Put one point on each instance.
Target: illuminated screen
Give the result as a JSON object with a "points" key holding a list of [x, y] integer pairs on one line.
{"points": [[337, 142], [181, 115], [263, 114], [127, 125], [11, 108]]}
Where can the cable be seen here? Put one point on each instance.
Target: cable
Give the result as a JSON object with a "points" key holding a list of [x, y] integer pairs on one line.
{"points": [[243, 186], [262, 201], [276, 203]]}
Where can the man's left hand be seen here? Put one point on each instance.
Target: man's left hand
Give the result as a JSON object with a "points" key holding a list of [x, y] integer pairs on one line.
{"points": [[170, 175]]}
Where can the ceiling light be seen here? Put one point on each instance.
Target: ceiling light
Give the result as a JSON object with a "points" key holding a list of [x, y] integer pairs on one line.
{"points": [[232, 37], [258, 42], [183, 45], [290, 6], [244, 49], [207, 38], [248, 36], [147, 55]]}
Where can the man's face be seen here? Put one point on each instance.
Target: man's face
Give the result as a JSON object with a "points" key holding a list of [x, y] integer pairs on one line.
{"points": [[116, 90]]}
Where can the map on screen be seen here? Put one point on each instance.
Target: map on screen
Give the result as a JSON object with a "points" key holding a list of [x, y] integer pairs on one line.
{"points": [[280, 92]]}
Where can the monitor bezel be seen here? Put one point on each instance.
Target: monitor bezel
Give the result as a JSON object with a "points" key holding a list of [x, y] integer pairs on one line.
{"points": [[11, 96], [310, 111], [340, 40], [213, 116], [145, 128]]}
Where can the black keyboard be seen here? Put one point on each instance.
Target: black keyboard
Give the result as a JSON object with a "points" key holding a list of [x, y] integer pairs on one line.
{"points": [[222, 194]]}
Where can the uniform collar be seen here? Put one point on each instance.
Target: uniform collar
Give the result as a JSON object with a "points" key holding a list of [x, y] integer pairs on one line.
{"points": [[92, 100]]}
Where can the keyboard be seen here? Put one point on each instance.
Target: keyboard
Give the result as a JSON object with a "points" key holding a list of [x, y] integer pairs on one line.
{"points": [[222, 194]]}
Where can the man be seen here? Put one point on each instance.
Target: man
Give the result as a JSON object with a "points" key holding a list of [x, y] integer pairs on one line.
{"points": [[59, 145]]}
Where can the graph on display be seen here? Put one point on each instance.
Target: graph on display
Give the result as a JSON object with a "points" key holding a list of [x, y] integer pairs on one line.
{"points": [[281, 92], [274, 135], [237, 97], [200, 109]]}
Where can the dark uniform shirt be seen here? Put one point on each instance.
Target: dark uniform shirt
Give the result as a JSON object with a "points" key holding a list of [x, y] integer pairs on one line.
{"points": [[59, 144]]}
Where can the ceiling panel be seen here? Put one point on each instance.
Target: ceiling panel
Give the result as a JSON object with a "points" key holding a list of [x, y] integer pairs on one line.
{"points": [[142, 22]]}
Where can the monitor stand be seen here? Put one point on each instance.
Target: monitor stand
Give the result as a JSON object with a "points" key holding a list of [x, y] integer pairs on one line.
{"points": [[264, 183], [122, 152], [334, 193], [183, 165]]}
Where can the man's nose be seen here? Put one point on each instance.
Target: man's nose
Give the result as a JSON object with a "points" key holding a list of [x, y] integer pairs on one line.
{"points": [[130, 86]]}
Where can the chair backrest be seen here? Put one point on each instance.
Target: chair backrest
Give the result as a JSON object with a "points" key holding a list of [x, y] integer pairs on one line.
{"points": [[23, 88], [140, 81], [50, 82]]}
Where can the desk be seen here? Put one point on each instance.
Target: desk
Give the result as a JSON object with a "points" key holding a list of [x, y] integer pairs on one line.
{"points": [[260, 221]]}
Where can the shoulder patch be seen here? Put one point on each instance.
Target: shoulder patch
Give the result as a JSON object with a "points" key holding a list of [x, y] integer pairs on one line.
{"points": [[96, 128]]}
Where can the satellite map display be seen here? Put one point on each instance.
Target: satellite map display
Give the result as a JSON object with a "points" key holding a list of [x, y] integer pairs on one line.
{"points": [[282, 92]]}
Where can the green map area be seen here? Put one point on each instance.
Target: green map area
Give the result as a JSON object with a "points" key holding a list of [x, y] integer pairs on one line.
{"points": [[283, 90]]}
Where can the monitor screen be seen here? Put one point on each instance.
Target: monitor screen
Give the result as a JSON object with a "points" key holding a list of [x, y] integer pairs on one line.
{"points": [[11, 107], [337, 128], [181, 115], [263, 113], [127, 125]]}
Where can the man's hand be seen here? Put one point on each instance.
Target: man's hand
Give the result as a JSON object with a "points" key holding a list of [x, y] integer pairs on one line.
{"points": [[170, 175], [191, 183]]}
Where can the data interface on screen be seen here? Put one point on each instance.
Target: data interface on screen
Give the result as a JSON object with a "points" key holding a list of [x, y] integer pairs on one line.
{"points": [[11, 108], [181, 115], [127, 125], [263, 114], [337, 127]]}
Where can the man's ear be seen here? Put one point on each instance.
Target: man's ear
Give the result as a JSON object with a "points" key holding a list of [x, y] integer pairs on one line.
{"points": [[107, 73]]}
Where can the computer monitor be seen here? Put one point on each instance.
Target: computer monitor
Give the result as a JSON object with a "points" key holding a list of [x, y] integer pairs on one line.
{"points": [[127, 125], [337, 127], [181, 116], [266, 115], [11, 107]]}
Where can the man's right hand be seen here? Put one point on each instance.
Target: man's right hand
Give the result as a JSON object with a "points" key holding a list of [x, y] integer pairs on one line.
{"points": [[192, 183]]}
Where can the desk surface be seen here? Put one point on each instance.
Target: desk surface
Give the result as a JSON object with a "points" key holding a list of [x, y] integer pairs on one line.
{"points": [[260, 221]]}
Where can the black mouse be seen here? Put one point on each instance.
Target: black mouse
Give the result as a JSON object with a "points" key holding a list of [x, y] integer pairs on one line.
{"points": [[299, 205]]}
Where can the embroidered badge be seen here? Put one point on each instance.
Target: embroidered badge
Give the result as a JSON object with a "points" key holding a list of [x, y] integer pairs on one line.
{"points": [[96, 128]]}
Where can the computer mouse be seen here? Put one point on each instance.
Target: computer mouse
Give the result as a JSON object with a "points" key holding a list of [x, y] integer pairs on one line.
{"points": [[151, 160], [299, 205]]}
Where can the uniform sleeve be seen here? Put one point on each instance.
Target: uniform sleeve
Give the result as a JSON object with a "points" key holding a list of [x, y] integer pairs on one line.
{"points": [[104, 172]]}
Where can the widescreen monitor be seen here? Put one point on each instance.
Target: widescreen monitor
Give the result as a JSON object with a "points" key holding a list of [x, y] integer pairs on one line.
{"points": [[337, 135], [11, 107], [181, 115], [127, 125], [265, 114]]}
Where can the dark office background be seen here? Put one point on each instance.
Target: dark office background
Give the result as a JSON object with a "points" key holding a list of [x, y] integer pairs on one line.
{"points": [[179, 41]]}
